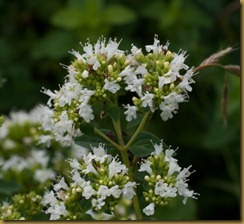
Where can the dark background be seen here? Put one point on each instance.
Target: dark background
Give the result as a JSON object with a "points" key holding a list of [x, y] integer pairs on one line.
{"points": [[37, 35]]}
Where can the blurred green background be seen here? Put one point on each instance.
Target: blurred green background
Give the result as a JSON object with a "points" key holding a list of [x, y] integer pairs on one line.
{"points": [[37, 35]]}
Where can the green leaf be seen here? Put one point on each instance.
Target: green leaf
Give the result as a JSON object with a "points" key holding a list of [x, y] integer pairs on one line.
{"points": [[87, 128], [176, 210], [87, 141], [135, 122], [118, 15], [68, 18], [92, 140], [53, 45], [9, 187], [143, 145], [113, 111]]}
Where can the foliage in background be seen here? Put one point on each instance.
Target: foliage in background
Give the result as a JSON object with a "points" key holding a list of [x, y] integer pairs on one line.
{"points": [[34, 40]]}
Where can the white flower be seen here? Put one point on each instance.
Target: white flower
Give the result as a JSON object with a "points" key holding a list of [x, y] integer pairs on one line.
{"points": [[63, 125], [156, 47], [187, 80], [88, 191], [162, 81], [136, 51], [112, 86], [178, 62], [68, 92], [164, 190], [86, 112], [44, 116], [77, 178], [98, 203], [147, 99], [149, 210], [130, 112], [146, 166], [42, 175], [38, 157], [74, 164], [49, 198], [45, 139], [4, 130], [61, 185], [128, 191], [89, 169], [85, 95], [103, 191], [115, 191], [158, 149], [15, 163], [57, 211], [184, 173], [51, 95], [141, 69], [184, 191], [100, 154], [116, 167], [167, 113]]}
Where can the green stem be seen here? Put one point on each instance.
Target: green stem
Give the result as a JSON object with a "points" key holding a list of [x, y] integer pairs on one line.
{"points": [[123, 151], [139, 129], [107, 138], [117, 128], [135, 198]]}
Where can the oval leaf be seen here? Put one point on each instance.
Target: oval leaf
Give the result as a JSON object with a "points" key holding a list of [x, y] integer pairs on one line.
{"points": [[118, 15], [143, 145]]}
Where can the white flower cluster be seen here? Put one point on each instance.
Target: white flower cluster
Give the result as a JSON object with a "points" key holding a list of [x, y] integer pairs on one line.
{"points": [[24, 146], [103, 72], [36, 161], [165, 179], [98, 178]]}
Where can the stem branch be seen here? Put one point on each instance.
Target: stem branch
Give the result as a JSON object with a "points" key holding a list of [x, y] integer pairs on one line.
{"points": [[107, 139], [139, 129]]}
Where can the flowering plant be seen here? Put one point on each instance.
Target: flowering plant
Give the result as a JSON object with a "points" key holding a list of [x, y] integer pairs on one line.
{"points": [[122, 172]]}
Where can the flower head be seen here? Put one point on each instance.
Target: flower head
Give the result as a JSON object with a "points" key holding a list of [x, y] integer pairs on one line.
{"points": [[165, 179]]}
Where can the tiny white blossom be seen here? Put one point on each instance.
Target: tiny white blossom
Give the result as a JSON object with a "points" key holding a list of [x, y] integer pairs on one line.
{"points": [[86, 112], [100, 154], [146, 166], [187, 80], [147, 99], [74, 164], [88, 191], [158, 149], [49, 198], [57, 211], [130, 112], [128, 190], [98, 203], [42, 175], [156, 47], [115, 191], [116, 167], [103, 191], [61, 185], [164, 190], [149, 210], [112, 86]]}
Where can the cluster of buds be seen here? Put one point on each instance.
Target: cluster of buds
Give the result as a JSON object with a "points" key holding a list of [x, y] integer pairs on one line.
{"points": [[103, 72], [23, 207], [98, 178], [165, 179]]}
